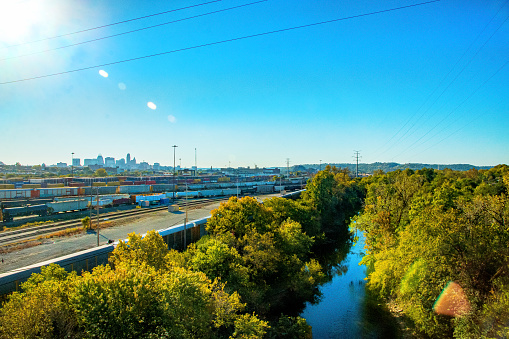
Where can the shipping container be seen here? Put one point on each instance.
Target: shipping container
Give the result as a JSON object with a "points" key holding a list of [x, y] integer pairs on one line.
{"points": [[98, 184], [114, 183]]}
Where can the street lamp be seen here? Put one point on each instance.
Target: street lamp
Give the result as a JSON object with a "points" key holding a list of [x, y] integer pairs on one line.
{"points": [[72, 166], [320, 165], [174, 147]]}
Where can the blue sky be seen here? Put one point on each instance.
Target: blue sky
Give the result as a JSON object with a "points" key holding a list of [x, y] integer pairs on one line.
{"points": [[427, 83]]}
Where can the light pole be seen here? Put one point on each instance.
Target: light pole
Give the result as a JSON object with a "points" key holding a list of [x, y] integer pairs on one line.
{"points": [[320, 165], [72, 166], [174, 147]]}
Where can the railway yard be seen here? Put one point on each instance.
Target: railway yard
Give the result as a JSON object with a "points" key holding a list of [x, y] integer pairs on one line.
{"points": [[114, 226]]}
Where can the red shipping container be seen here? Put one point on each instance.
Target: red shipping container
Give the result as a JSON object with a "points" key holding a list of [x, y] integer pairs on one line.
{"points": [[35, 194]]}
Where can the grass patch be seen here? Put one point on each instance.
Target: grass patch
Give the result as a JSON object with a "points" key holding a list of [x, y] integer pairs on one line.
{"points": [[19, 246], [29, 224], [63, 233]]}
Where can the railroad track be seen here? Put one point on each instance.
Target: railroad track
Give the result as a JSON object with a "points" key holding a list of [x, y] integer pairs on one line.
{"points": [[29, 233]]}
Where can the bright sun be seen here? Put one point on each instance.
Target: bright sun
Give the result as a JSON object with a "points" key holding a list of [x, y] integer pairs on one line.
{"points": [[19, 20]]}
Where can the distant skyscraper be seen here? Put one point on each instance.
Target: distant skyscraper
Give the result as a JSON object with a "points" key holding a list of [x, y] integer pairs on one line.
{"points": [[120, 163], [88, 162], [76, 162], [109, 162], [100, 160], [128, 159]]}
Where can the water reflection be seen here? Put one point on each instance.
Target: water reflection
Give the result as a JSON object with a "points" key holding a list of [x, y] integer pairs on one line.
{"points": [[345, 310]]}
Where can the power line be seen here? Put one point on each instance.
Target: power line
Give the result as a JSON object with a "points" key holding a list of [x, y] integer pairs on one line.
{"points": [[468, 98], [112, 24], [220, 42], [441, 82], [135, 30], [456, 77]]}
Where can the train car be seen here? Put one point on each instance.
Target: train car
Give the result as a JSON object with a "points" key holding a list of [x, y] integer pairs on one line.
{"points": [[161, 188], [265, 189], [188, 194], [108, 190], [231, 191], [121, 201], [8, 214], [248, 190], [67, 206], [151, 197], [135, 189], [101, 203], [211, 193], [17, 193], [57, 192], [195, 187]]}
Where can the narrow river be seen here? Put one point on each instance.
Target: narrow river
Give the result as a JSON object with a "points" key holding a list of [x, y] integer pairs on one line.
{"points": [[344, 311]]}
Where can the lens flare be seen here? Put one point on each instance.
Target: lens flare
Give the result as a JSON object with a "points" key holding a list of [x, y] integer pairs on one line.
{"points": [[172, 119], [122, 86], [151, 105], [103, 73]]}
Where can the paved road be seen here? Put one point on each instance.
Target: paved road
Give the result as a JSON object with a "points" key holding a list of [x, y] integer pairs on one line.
{"points": [[53, 248]]}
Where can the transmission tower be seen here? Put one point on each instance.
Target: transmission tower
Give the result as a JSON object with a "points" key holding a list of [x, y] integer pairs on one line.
{"points": [[356, 156]]}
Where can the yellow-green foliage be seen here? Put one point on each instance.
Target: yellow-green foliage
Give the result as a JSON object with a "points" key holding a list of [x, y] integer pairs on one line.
{"points": [[426, 228]]}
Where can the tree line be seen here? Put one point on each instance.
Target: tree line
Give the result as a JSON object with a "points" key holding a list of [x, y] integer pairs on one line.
{"points": [[427, 228]]}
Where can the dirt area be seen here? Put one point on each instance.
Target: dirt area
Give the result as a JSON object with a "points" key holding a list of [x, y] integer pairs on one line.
{"points": [[56, 247]]}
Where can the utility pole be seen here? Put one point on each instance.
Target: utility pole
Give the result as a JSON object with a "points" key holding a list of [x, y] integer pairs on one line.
{"points": [[185, 224], [195, 164], [174, 190], [320, 165], [356, 156], [97, 206], [288, 167], [72, 166]]}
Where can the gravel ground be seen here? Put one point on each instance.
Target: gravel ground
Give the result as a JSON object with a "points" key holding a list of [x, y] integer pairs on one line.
{"points": [[53, 248]]}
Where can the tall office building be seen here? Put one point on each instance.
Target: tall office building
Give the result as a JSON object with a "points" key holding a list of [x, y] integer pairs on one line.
{"points": [[100, 160], [109, 162]]}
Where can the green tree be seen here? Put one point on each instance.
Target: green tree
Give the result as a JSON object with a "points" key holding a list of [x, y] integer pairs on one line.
{"points": [[101, 172]]}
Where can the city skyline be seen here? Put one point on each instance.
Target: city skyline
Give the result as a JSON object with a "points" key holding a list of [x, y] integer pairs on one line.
{"points": [[400, 81]]}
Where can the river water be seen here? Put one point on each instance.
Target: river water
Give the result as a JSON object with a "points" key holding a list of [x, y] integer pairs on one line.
{"points": [[344, 311]]}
